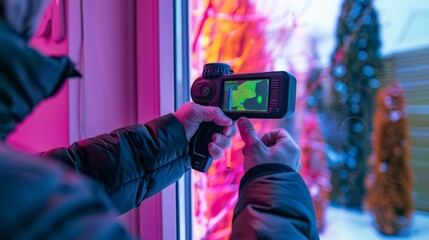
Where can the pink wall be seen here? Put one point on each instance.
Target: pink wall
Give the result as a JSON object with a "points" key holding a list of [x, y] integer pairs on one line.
{"points": [[47, 126], [148, 60], [108, 91], [117, 50]]}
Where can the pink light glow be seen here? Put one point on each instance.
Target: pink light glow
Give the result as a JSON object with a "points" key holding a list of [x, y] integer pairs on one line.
{"points": [[47, 126]]}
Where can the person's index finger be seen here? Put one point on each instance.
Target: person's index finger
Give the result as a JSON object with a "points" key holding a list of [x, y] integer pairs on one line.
{"points": [[269, 139], [282, 133], [220, 118], [280, 136], [231, 130]]}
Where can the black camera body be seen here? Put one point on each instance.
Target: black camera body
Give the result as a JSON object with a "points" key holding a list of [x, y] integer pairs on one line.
{"points": [[252, 95]]}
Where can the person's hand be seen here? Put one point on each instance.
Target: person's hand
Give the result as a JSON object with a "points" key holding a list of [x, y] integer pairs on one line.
{"points": [[191, 115], [276, 146]]}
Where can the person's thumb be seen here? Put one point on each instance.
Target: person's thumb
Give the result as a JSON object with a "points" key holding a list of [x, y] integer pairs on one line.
{"points": [[247, 131]]}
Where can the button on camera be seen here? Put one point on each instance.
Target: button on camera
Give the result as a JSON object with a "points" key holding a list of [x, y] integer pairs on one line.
{"points": [[205, 91]]}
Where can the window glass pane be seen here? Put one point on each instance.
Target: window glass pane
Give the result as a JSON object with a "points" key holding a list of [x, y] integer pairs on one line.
{"points": [[362, 107]]}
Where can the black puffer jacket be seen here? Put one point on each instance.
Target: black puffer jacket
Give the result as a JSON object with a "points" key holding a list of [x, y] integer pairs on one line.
{"points": [[42, 198], [132, 163], [273, 203]]}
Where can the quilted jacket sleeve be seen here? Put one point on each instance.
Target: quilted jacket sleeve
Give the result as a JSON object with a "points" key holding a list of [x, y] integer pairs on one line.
{"points": [[273, 203], [132, 163], [42, 199]]}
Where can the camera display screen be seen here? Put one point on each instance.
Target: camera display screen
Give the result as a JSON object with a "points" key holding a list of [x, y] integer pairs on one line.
{"points": [[246, 95]]}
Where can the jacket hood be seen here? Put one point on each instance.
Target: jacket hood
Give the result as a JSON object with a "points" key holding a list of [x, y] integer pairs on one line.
{"points": [[26, 77], [23, 16]]}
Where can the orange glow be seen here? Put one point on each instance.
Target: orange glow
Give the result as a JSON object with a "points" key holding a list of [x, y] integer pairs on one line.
{"points": [[232, 32]]}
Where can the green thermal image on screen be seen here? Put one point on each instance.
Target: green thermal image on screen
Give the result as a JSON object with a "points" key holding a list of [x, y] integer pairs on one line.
{"points": [[246, 95]]}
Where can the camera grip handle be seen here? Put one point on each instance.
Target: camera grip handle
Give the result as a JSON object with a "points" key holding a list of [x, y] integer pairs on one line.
{"points": [[198, 146]]}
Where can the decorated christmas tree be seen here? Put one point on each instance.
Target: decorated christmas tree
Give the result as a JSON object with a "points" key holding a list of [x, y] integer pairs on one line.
{"points": [[354, 68], [390, 182]]}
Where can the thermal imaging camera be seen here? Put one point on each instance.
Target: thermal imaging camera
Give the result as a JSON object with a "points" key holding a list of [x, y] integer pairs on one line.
{"points": [[251, 95]]}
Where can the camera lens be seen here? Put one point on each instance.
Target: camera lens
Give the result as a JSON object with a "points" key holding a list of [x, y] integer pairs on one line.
{"points": [[205, 91]]}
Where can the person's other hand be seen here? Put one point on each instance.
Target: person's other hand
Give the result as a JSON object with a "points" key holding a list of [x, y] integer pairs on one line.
{"points": [[191, 115], [276, 146]]}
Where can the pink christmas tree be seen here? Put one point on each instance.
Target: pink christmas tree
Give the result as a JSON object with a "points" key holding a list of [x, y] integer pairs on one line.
{"points": [[314, 169]]}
